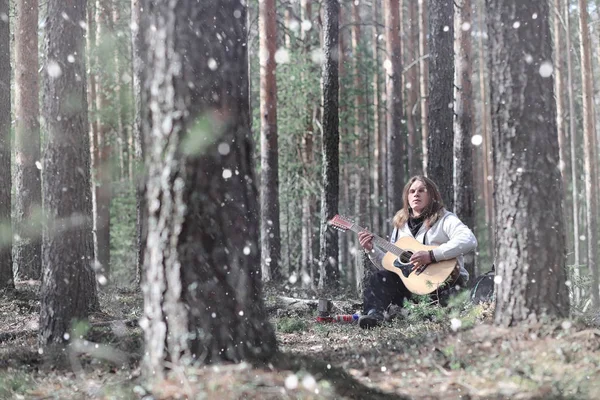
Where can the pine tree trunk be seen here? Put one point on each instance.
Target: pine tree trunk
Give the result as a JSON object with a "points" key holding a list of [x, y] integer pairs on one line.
{"points": [[103, 173], [28, 186], [68, 289], [270, 237], [377, 166], [530, 247], [6, 272], [485, 133], [574, 151], [464, 197], [589, 146], [424, 79], [559, 90], [92, 94], [121, 97], [360, 178], [308, 158], [344, 240], [412, 59], [393, 67], [137, 49], [328, 254], [441, 98], [202, 291]]}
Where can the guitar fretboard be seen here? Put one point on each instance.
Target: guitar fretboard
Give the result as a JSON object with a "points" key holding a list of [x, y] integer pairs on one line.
{"points": [[379, 241]]}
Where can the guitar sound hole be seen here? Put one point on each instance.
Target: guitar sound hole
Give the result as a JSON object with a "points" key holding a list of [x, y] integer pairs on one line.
{"points": [[405, 257]]}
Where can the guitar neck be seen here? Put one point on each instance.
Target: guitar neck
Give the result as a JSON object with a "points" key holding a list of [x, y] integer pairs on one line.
{"points": [[379, 241]]}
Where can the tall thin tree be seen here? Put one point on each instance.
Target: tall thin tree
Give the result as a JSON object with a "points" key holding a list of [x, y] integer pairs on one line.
{"points": [[137, 49], [104, 79], [463, 121], [378, 136], [6, 239], [589, 147], [412, 86], [202, 291], [270, 237], [328, 255], [68, 286], [28, 186], [394, 106], [574, 151], [530, 248], [424, 78], [441, 98], [485, 130]]}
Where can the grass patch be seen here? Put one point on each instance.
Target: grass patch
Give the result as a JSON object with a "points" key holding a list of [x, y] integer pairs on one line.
{"points": [[13, 382], [290, 325]]}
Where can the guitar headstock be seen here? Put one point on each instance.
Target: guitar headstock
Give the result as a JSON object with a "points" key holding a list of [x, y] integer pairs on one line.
{"points": [[340, 223]]}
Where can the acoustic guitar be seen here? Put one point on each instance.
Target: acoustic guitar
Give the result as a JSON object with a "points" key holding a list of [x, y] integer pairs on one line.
{"points": [[397, 259]]}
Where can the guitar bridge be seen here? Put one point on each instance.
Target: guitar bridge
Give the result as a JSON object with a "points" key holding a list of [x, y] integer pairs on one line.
{"points": [[405, 268]]}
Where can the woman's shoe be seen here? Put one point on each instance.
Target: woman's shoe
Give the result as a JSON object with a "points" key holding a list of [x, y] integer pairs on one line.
{"points": [[371, 320]]}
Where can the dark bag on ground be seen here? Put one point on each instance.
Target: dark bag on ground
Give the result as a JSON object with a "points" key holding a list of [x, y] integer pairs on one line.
{"points": [[483, 288]]}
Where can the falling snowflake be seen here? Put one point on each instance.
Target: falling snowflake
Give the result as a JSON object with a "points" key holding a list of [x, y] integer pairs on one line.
{"points": [[306, 25], [466, 26], [546, 69], [282, 56], [291, 382], [54, 70], [223, 149], [476, 140], [455, 324]]}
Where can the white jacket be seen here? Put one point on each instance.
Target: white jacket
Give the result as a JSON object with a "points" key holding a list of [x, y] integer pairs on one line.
{"points": [[449, 233]]}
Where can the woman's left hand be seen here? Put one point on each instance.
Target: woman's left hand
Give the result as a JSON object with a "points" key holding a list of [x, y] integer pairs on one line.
{"points": [[420, 260]]}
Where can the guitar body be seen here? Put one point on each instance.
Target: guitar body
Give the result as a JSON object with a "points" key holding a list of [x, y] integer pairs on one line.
{"points": [[430, 279]]}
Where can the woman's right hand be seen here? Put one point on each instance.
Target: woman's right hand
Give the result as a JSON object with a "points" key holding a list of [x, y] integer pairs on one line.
{"points": [[366, 240]]}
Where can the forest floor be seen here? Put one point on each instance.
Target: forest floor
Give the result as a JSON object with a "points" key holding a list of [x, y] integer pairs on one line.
{"points": [[427, 353]]}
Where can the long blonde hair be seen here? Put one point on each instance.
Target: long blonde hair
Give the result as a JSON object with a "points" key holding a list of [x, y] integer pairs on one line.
{"points": [[432, 212]]}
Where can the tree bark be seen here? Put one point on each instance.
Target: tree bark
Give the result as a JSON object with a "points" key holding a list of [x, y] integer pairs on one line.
{"points": [[328, 254], [485, 133], [589, 146], [464, 197], [424, 79], [120, 96], [270, 237], [412, 87], [573, 148], [530, 246], [559, 90], [361, 140], [103, 173], [6, 238], [441, 98], [137, 49], [378, 136], [202, 291], [68, 289], [344, 240], [308, 159], [393, 69], [28, 186]]}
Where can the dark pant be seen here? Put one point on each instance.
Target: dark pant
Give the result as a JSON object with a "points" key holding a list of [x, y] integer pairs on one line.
{"points": [[383, 288]]}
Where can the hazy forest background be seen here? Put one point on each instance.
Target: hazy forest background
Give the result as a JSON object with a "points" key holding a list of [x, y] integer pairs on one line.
{"points": [[167, 170]]}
